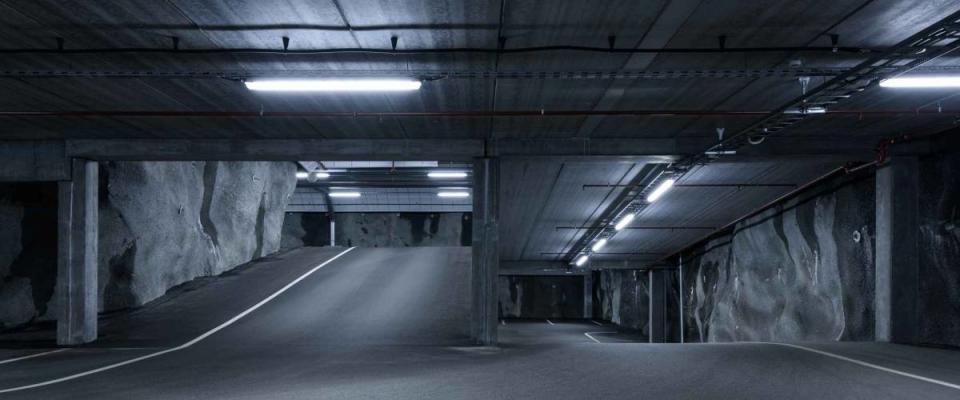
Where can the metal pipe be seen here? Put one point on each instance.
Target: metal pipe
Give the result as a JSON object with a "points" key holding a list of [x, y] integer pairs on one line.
{"points": [[707, 185], [437, 114], [638, 227], [446, 50], [680, 277], [355, 114]]}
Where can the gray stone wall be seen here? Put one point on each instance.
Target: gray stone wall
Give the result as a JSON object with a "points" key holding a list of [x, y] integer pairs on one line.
{"points": [[939, 245], [800, 271], [28, 220], [378, 229], [624, 299], [161, 224], [541, 296]]}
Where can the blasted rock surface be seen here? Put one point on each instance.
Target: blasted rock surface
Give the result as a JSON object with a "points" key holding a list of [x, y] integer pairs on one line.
{"points": [[939, 244], [541, 296], [28, 264], [378, 229], [624, 299], [801, 271], [165, 223]]}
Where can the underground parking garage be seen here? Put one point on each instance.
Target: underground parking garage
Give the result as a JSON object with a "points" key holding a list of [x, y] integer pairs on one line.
{"points": [[470, 200]]}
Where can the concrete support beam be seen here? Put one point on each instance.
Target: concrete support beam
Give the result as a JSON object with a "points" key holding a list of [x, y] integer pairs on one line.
{"points": [[77, 256], [658, 305], [33, 161], [588, 295], [897, 250], [486, 255], [577, 149]]}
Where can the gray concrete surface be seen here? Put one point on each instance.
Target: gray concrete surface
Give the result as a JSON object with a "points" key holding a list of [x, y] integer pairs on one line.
{"points": [[390, 323]]}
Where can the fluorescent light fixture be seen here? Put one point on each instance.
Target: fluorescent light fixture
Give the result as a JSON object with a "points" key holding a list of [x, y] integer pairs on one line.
{"points": [[582, 260], [599, 245], [302, 175], [333, 85], [453, 194], [624, 221], [345, 194], [922, 82], [321, 175], [447, 174], [660, 190]]}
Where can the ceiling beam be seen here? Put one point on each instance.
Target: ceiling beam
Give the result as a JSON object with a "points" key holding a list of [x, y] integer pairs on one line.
{"points": [[651, 150]]}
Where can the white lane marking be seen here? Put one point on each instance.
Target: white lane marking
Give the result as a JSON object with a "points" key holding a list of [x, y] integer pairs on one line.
{"points": [[502, 322], [550, 322], [587, 334], [182, 346], [596, 323], [869, 365], [32, 356]]}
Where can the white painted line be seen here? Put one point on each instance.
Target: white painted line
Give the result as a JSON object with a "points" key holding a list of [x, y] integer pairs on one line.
{"points": [[596, 323], [182, 346], [32, 356], [550, 322], [869, 365], [503, 322], [587, 334]]}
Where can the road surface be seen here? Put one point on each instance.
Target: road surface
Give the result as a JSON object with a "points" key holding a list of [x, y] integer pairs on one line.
{"points": [[392, 323]]}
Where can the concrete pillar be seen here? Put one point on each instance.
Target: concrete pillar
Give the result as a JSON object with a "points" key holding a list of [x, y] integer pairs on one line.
{"points": [[77, 255], [486, 254], [897, 251], [588, 295], [333, 232], [658, 305]]}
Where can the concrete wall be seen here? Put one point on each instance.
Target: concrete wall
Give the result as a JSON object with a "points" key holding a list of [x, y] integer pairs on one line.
{"points": [[161, 224], [939, 245], [541, 296], [800, 271], [378, 229]]}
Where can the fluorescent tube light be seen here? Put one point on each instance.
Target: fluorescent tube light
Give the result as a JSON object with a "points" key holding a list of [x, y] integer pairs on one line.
{"points": [[321, 175], [345, 194], [624, 221], [599, 245], [447, 174], [453, 194], [660, 190], [582, 260], [922, 82], [332, 85], [302, 175]]}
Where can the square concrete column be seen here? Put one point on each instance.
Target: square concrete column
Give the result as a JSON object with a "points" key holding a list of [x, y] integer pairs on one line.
{"points": [[588, 295], [658, 305], [897, 251], [486, 251], [77, 255]]}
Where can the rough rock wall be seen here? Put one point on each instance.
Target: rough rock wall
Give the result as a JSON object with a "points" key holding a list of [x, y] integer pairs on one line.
{"points": [[799, 271], [378, 229], [939, 244], [28, 221], [165, 223], [624, 299], [541, 296], [161, 224]]}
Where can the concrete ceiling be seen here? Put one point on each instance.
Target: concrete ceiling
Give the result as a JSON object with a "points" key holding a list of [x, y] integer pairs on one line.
{"points": [[552, 190]]}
